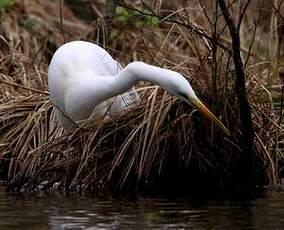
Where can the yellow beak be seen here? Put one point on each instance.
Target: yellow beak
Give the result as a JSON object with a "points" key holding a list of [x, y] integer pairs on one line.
{"points": [[203, 109]]}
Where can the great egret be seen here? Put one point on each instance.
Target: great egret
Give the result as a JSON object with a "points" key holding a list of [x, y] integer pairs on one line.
{"points": [[83, 77]]}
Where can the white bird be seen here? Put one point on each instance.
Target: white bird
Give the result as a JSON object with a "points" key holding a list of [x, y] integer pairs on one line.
{"points": [[84, 79]]}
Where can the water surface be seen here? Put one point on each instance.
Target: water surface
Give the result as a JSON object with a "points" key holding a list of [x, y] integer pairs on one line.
{"points": [[55, 213]]}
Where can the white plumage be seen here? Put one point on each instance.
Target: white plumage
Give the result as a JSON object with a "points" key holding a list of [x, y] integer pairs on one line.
{"points": [[85, 80], [70, 68]]}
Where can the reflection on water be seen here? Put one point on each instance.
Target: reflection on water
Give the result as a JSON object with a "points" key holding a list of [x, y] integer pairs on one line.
{"points": [[144, 213]]}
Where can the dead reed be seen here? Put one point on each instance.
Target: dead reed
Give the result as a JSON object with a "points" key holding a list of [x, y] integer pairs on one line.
{"points": [[156, 144]]}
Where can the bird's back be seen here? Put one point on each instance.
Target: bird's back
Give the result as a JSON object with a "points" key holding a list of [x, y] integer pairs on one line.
{"points": [[73, 59], [84, 55]]}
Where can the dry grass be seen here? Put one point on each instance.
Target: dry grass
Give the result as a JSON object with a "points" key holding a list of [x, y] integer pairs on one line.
{"points": [[144, 145]]}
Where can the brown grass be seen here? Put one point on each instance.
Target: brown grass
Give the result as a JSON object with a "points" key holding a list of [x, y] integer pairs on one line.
{"points": [[147, 146]]}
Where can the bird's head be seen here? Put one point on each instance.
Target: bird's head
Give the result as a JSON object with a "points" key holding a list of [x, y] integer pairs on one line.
{"points": [[180, 87], [174, 83]]}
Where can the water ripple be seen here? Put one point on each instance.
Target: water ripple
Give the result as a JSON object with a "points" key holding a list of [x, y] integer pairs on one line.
{"points": [[59, 213]]}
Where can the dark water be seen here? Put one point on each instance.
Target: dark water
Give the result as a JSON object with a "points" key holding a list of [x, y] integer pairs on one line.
{"points": [[266, 212]]}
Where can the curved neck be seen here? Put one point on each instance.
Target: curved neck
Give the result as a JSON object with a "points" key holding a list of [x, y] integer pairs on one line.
{"points": [[121, 82], [146, 72], [135, 72]]}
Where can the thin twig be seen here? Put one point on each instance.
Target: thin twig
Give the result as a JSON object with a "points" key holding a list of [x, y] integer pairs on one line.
{"points": [[242, 14], [25, 87], [61, 21], [192, 28]]}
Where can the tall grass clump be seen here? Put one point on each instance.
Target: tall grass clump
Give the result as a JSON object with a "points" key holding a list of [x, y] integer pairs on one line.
{"points": [[160, 143]]}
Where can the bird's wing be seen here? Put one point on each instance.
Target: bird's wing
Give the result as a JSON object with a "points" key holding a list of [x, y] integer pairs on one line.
{"points": [[75, 59]]}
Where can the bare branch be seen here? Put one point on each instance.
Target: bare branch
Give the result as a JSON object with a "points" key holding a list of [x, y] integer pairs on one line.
{"points": [[192, 28], [240, 88], [242, 14]]}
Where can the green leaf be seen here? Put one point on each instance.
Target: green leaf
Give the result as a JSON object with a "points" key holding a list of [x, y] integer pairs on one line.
{"points": [[5, 4]]}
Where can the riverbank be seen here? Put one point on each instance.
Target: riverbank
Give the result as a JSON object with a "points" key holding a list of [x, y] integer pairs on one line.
{"points": [[161, 143]]}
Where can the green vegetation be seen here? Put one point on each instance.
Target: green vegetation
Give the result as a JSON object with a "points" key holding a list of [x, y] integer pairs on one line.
{"points": [[4, 4], [136, 20]]}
